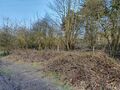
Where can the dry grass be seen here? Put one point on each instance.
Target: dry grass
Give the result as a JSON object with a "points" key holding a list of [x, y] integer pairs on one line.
{"points": [[80, 69], [84, 70], [32, 55]]}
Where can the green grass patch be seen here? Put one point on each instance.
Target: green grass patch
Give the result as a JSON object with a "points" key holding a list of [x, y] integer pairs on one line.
{"points": [[4, 71], [2, 54], [55, 77]]}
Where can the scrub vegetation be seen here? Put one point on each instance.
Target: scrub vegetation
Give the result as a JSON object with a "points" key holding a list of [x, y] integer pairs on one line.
{"points": [[81, 46]]}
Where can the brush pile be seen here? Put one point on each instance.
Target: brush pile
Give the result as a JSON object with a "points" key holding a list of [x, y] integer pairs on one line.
{"points": [[86, 71], [80, 69]]}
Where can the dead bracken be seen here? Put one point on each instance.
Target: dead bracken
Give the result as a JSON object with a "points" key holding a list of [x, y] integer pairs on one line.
{"points": [[83, 70], [96, 72]]}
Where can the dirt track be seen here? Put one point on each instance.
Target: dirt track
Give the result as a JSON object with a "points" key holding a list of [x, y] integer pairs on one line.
{"points": [[15, 76]]}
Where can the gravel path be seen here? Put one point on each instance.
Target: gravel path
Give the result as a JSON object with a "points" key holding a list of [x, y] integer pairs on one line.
{"points": [[15, 76]]}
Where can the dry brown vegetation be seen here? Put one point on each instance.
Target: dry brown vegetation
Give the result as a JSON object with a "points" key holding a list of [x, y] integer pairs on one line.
{"points": [[80, 69], [32, 55], [68, 41], [90, 72]]}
